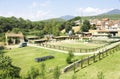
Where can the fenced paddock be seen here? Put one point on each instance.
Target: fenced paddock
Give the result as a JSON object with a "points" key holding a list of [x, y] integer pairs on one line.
{"points": [[76, 45]]}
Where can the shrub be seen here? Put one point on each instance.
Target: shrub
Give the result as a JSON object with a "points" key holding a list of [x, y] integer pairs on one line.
{"points": [[100, 75], [69, 58]]}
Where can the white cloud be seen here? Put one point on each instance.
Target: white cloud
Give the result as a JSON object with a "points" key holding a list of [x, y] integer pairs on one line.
{"points": [[37, 15], [89, 11], [41, 15], [38, 4], [44, 4], [34, 4]]}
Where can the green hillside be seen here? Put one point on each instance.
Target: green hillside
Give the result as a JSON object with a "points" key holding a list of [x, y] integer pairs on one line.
{"points": [[110, 16]]}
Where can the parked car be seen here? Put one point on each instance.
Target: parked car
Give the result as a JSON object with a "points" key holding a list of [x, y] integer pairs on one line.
{"points": [[24, 44]]}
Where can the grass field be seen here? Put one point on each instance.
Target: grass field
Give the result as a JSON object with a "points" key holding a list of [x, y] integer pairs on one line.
{"points": [[109, 66], [80, 44], [24, 58]]}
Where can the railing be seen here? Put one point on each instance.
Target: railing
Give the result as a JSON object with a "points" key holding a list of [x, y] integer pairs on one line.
{"points": [[91, 59], [70, 48]]}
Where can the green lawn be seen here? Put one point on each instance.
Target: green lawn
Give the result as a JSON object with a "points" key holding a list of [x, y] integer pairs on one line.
{"points": [[110, 66], [81, 44], [24, 58]]}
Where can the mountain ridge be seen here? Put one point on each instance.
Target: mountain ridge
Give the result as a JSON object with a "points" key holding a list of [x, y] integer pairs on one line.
{"points": [[114, 11], [67, 17]]}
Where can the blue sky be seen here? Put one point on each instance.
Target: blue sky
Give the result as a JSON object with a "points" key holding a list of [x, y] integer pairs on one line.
{"points": [[45, 9]]}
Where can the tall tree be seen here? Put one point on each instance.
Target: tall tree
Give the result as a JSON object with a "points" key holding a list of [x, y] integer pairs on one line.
{"points": [[86, 26], [68, 27]]}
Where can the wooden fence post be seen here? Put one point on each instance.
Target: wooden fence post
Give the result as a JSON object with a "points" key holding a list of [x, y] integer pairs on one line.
{"points": [[74, 67], [106, 53], [113, 50], [102, 54], [59, 47], [53, 46], [81, 63], [94, 58], [80, 50], [88, 60], [110, 51], [99, 55]]}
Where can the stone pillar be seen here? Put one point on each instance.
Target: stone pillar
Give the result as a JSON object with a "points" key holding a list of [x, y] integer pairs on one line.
{"points": [[6, 39], [14, 41]]}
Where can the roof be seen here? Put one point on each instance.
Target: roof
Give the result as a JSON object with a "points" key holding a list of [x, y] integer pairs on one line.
{"points": [[58, 37], [32, 37], [41, 40], [105, 19], [100, 34], [14, 35]]}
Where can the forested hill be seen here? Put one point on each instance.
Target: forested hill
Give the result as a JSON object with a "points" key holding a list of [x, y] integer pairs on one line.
{"points": [[40, 28], [19, 24], [110, 16], [113, 15]]}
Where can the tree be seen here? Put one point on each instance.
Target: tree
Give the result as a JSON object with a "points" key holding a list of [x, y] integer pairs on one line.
{"points": [[93, 27], [86, 26], [56, 72], [55, 30], [15, 30], [68, 27], [75, 19], [7, 70], [69, 58], [62, 26]]}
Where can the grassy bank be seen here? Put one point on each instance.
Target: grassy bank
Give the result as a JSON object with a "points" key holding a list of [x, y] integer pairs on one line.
{"points": [[109, 66]]}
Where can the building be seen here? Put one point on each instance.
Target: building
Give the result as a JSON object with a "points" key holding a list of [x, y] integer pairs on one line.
{"points": [[105, 28], [13, 38]]}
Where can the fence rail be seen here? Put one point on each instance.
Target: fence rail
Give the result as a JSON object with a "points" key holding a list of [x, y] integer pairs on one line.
{"points": [[91, 59], [70, 48]]}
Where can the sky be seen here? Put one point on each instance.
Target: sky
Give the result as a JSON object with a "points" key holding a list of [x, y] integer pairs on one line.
{"points": [[45, 9]]}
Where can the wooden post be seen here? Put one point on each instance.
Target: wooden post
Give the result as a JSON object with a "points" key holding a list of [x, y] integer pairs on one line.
{"points": [[110, 51], [81, 63], [6, 39], [99, 55], [106, 53], [88, 60], [94, 58], [92, 50], [63, 47], [74, 49], [80, 50], [113, 50], [74, 67], [102, 54]]}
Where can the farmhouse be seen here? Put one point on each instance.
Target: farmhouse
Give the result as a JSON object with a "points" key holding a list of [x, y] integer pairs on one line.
{"points": [[13, 38]]}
